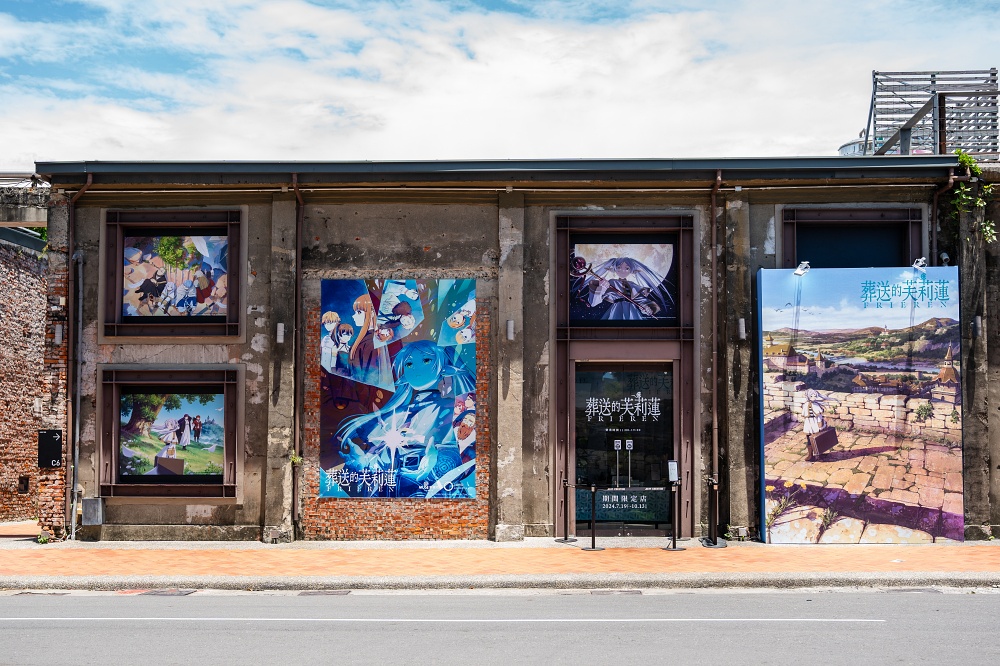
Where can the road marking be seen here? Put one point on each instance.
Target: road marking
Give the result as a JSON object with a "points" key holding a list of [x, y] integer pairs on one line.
{"points": [[372, 620]]}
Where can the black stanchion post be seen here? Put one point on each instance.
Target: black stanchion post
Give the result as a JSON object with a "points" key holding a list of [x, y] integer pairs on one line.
{"points": [[675, 505], [713, 540], [566, 537], [593, 519]]}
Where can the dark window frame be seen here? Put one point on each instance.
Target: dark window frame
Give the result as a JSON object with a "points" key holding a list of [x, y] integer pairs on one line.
{"points": [[112, 381], [673, 344], [679, 228], [121, 223], [911, 219]]}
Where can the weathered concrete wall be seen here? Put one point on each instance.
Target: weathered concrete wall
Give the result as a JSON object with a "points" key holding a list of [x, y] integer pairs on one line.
{"points": [[537, 454], [23, 302], [161, 518], [24, 206], [991, 332], [737, 448], [975, 398], [405, 239]]}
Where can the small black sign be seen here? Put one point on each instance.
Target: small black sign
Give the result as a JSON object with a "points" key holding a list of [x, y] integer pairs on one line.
{"points": [[50, 448]]}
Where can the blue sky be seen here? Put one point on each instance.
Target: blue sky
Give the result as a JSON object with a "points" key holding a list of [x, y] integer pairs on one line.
{"points": [[840, 298], [459, 79]]}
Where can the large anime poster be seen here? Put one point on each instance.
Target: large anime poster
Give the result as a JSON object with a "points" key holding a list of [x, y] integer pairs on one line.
{"points": [[398, 385], [861, 405], [628, 280]]}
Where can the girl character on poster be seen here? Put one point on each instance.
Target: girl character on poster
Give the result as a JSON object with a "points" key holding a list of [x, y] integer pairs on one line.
{"points": [[633, 290], [813, 422], [369, 364], [168, 435], [413, 432]]}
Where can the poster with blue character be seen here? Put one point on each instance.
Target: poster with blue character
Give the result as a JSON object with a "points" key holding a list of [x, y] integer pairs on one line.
{"points": [[398, 386]]}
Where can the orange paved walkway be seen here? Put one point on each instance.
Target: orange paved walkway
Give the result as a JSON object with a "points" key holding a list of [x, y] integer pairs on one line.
{"points": [[417, 562], [25, 528]]}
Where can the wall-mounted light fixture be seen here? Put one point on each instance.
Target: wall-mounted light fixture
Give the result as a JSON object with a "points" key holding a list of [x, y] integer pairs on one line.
{"points": [[802, 269], [977, 326], [742, 328], [281, 334], [920, 264], [58, 334], [510, 329]]}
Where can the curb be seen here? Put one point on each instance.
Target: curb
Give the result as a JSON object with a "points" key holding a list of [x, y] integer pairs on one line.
{"points": [[553, 581]]}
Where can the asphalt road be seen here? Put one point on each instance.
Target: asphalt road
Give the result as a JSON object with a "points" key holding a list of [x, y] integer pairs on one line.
{"points": [[504, 627]]}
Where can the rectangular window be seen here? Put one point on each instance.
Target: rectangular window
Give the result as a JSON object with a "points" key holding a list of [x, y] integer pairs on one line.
{"points": [[169, 273], [169, 432], [852, 238]]}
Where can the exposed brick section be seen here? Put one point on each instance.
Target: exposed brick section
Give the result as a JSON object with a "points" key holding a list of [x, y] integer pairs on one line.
{"points": [[22, 346], [55, 396], [350, 519]]}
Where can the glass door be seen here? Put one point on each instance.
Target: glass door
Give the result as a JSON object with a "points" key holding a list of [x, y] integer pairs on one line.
{"points": [[624, 432]]}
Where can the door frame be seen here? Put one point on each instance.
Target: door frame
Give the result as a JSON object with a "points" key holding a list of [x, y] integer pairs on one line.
{"points": [[678, 415], [675, 344]]}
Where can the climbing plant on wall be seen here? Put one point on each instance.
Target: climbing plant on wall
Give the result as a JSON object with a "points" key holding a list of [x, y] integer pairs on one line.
{"points": [[968, 196]]}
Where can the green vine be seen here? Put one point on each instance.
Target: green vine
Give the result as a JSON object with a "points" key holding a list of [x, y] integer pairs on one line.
{"points": [[967, 198]]}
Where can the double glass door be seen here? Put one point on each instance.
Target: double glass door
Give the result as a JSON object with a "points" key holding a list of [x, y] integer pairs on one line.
{"points": [[624, 437]]}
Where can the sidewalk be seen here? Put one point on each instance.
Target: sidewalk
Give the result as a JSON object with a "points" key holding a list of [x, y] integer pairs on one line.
{"points": [[535, 562]]}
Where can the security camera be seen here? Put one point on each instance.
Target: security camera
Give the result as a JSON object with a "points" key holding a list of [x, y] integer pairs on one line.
{"points": [[945, 258]]}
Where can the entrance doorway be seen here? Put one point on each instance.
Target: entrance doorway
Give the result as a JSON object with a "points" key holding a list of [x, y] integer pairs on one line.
{"points": [[624, 436]]}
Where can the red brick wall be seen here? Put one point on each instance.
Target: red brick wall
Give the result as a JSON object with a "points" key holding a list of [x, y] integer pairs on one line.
{"points": [[22, 346], [357, 519]]}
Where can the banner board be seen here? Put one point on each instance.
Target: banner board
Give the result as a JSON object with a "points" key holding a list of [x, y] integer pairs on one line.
{"points": [[860, 405], [398, 385]]}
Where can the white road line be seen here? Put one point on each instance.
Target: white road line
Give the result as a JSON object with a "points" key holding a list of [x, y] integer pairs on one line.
{"points": [[374, 620]]}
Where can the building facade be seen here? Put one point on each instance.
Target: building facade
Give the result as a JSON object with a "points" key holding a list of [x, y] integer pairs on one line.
{"points": [[457, 350]]}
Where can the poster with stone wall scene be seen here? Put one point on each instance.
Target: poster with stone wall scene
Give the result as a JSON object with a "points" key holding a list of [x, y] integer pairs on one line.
{"points": [[861, 405], [398, 387]]}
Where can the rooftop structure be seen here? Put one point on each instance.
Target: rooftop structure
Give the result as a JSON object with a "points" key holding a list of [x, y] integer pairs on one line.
{"points": [[933, 112]]}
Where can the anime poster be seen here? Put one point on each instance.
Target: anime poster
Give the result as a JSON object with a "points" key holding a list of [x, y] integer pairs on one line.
{"points": [[165, 436], [175, 276], [623, 281], [398, 385], [861, 405]]}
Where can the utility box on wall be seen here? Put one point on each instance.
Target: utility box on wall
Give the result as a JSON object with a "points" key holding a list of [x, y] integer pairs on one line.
{"points": [[93, 511]]}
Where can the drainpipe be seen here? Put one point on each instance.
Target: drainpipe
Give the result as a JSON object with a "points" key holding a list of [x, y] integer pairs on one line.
{"points": [[952, 179], [297, 375], [74, 332], [713, 480]]}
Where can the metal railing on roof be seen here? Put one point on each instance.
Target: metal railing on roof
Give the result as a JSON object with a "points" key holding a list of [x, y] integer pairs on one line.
{"points": [[934, 112]]}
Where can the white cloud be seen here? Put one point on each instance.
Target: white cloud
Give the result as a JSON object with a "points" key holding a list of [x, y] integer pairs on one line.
{"points": [[295, 80]]}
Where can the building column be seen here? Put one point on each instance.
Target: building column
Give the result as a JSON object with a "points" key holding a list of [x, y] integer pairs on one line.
{"points": [[53, 499], [972, 268], [278, 471], [736, 442], [507, 511]]}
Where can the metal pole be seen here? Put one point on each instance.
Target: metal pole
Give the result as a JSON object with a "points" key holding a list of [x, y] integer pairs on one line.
{"points": [[593, 519], [713, 540], [566, 537], [677, 517]]}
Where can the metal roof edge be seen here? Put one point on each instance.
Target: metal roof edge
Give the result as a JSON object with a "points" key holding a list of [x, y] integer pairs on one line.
{"points": [[648, 165]]}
